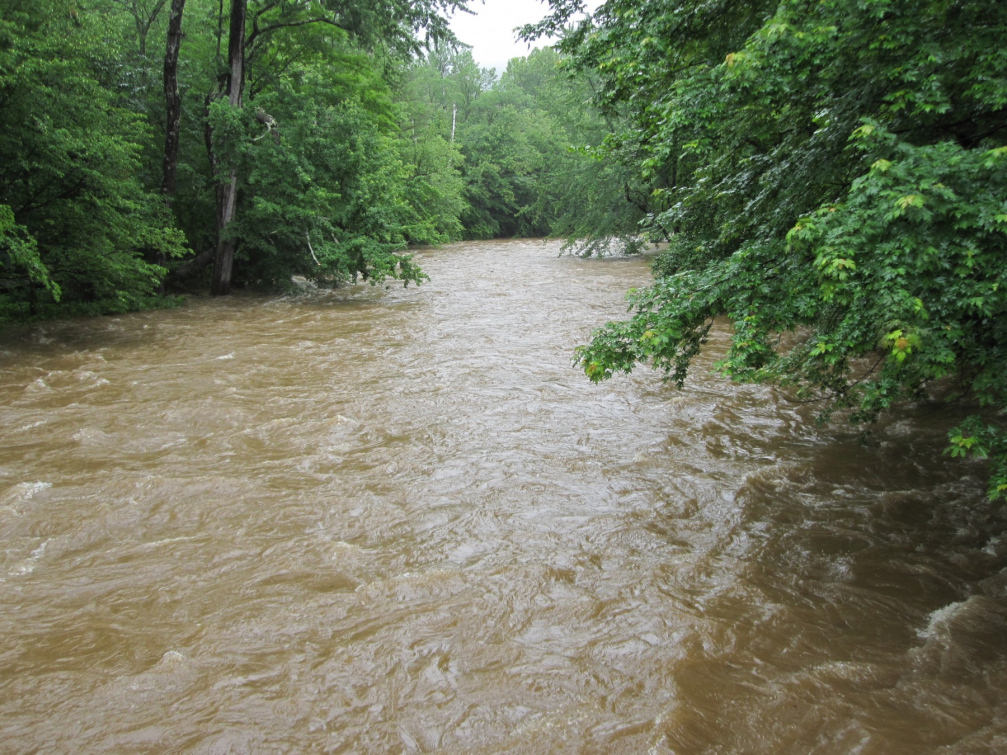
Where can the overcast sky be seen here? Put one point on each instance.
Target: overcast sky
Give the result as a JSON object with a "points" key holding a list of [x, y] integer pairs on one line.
{"points": [[491, 30]]}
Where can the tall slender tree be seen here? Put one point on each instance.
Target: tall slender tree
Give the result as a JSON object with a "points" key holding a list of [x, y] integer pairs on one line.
{"points": [[227, 187], [173, 99]]}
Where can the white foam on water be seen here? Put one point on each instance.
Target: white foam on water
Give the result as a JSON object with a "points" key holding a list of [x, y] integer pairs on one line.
{"points": [[169, 540], [90, 435], [30, 489], [976, 613], [991, 546], [38, 385], [170, 659], [27, 566], [940, 621], [22, 492]]}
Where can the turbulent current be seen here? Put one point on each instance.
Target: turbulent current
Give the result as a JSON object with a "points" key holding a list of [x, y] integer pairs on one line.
{"points": [[398, 520]]}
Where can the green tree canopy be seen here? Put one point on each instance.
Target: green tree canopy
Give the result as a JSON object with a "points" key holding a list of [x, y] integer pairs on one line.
{"points": [[76, 222], [323, 181], [830, 168], [527, 148]]}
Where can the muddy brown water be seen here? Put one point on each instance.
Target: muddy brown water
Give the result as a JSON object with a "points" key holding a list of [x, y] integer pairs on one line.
{"points": [[383, 521]]}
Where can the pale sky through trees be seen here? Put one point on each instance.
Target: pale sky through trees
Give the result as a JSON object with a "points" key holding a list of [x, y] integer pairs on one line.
{"points": [[491, 31]]}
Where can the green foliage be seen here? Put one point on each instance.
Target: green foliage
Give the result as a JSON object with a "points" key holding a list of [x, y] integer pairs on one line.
{"points": [[77, 228], [322, 195], [20, 254], [345, 152], [328, 186], [527, 149], [835, 170], [447, 99], [435, 188]]}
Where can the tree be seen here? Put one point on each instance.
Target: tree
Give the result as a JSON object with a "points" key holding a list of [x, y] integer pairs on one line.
{"points": [[77, 228], [435, 93], [324, 192], [391, 24], [832, 168], [525, 144], [587, 192], [173, 99], [227, 179]]}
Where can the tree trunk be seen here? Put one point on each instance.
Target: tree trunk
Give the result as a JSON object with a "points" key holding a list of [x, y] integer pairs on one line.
{"points": [[220, 284], [173, 100], [194, 265]]}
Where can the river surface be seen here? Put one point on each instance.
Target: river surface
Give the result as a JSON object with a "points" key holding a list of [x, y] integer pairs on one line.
{"points": [[397, 520]]}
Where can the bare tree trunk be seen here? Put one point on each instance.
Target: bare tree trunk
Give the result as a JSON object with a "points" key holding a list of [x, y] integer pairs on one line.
{"points": [[173, 100], [220, 283], [173, 109]]}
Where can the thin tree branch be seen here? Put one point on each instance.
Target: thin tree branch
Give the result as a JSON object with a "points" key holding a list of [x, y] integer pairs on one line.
{"points": [[307, 238], [256, 33]]}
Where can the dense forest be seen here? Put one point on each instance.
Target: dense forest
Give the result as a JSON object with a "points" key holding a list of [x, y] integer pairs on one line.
{"points": [[151, 146], [831, 175]]}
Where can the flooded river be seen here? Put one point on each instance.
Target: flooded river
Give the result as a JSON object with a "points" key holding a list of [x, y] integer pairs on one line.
{"points": [[398, 520]]}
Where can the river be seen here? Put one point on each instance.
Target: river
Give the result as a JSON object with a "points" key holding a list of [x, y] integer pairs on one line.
{"points": [[384, 520]]}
